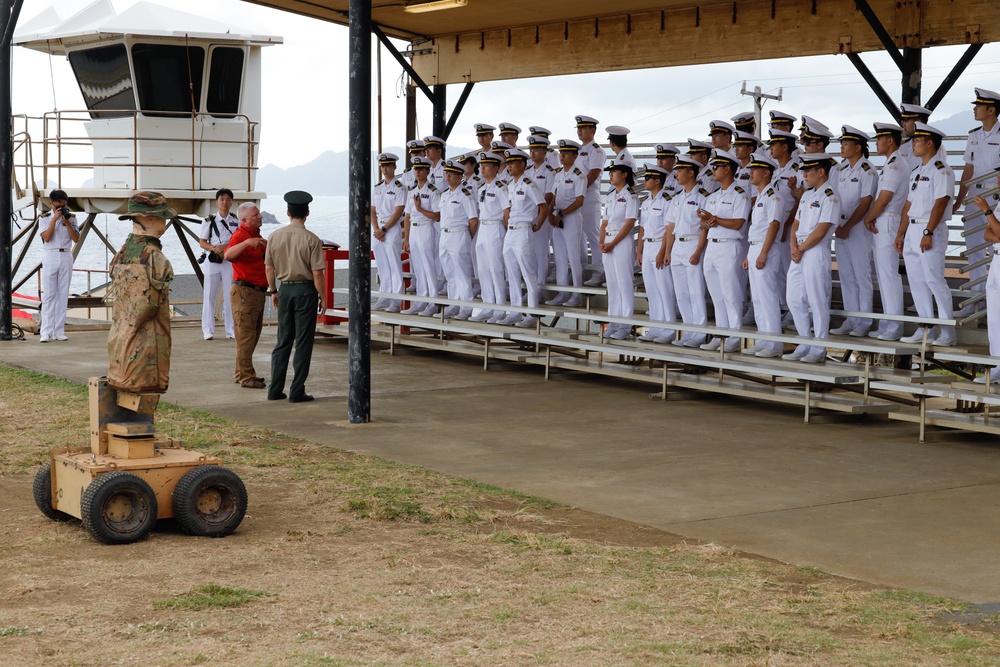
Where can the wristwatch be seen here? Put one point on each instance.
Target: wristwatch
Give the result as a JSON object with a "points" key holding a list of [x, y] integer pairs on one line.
{"points": [[988, 211], [927, 232], [271, 291]]}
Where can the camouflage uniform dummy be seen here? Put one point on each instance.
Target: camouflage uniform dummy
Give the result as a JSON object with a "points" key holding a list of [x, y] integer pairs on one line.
{"points": [[139, 340]]}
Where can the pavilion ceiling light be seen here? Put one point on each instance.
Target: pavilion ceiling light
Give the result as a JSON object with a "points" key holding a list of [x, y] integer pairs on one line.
{"points": [[434, 5]]}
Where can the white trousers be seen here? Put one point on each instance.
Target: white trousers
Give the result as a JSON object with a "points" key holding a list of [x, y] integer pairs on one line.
{"points": [[424, 259], [388, 260], [855, 271], [57, 271], [809, 287], [689, 283], [489, 252], [591, 211], [764, 286], [618, 265], [519, 260], [566, 248], [977, 238], [890, 283], [218, 277], [723, 269], [785, 256], [456, 262], [993, 303], [925, 272], [659, 284], [541, 240]]}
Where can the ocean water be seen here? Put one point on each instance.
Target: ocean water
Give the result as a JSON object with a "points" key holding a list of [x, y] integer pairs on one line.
{"points": [[328, 219]]}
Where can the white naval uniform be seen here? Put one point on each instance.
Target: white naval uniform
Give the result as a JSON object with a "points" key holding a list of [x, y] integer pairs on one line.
{"points": [[982, 151], [765, 283], [895, 178], [592, 156], [780, 183], [993, 295], [705, 180], [569, 185], [217, 276], [659, 283], [854, 266], [489, 242], [386, 198], [670, 184], [724, 257], [925, 270], [436, 178], [906, 152], [422, 240], [544, 179], [518, 251], [689, 279], [809, 284], [458, 206], [57, 273], [619, 207]]}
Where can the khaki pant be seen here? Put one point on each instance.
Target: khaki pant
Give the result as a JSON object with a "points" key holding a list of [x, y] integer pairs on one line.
{"points": [[248, 320]]}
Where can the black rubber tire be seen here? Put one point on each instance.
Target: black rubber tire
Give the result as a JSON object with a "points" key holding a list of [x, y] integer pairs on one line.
{"points": [[41, 488], [118, 508], [209, 501]]}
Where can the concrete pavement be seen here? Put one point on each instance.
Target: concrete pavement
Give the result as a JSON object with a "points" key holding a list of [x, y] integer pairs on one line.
{"points": [[862, 500]]}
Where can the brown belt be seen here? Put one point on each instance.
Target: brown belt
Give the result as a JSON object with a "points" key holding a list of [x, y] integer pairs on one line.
{"points": [[244, 283]]}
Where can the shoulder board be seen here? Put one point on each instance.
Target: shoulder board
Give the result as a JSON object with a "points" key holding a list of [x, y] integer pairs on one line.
{"points": [[576, 170], [892, 159], [975, 129], [770, 192], [666, 195], [398, 183], [795, 166], [527, 180], [740, 190], [865, 166], [466, 191], [828, 192], [430, 186], [704, 192], [412, 187], [939, 164], [596, 145], [549, 167]]}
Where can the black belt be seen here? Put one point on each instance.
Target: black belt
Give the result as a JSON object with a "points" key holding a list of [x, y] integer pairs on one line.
{"points": [[244, 283], [295, 282]]}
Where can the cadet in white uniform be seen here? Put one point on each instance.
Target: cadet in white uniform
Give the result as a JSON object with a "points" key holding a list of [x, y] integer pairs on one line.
{"points": [[699, 151], [744, 146], [591, 162], [909, 116], [725, 214], [470, 178], [786, 182], [721, 134], [618, 140], [484, 135], [883, 222], [857, 184], [494, 208], [988, 204], [621, 210], [982, 155], [566, 220], [685, 246], [434, 147], [923, 234], [213, 239], [527, 215], [509, 133], [553, 155], [543, 176], [414, 148], [745, 121], [422, 216], [809, 278], [666, 158], [59, 233], [763, 259], [388, 205], [459, 220], [656, 276]]}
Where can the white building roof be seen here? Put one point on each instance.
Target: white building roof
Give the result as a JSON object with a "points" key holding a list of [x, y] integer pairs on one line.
{"points": [[97, 22]]}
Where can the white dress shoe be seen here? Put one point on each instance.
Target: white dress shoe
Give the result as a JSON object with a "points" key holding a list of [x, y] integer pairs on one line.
{"points": [[209, 336], [712, 345], [814, 358], [875, 333], [799, 352], [497, 317], [512, 318], [620, 334], [412, 310], [646, 338], [528, 322], [859, 332], [392, 308], [885, 335], [43, 339], [732, 346], [842, 330], [596, 280], [753, 349], [463, 315], [679, 342], [768, 353], [62, 337], [945, 341], [482, 316], [429, 311], [452, 311], [672, 338], [576, 301], [916, 337], [558, 299]]}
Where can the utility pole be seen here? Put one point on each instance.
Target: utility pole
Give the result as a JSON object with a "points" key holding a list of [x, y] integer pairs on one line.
{"points": [[757, 105], [9, 11]]}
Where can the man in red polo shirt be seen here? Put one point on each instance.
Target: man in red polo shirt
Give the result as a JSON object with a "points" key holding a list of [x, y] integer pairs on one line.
{"points": [[246, 252]]}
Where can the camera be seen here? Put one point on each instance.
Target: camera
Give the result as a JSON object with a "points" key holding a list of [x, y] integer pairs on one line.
{"points": [[64, 210]]}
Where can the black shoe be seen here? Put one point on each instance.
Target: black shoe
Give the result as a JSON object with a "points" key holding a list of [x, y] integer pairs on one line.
{"points": [[304, 398], [280, 397]]}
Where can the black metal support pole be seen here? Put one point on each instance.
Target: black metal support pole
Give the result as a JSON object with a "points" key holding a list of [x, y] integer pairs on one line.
{"points": [[440, 102], [912, 74], [953, 75], [457, 111], [9, 11], [411, 119], [873, 83], [359, 211], [880, 32], [403, 63]]}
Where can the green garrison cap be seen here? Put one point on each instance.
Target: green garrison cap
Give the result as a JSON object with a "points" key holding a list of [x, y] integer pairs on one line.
{"points": [[298, 198], [151, 204]]}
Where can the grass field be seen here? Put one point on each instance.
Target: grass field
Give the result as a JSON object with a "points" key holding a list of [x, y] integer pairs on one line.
{"points": [[351, 560]]}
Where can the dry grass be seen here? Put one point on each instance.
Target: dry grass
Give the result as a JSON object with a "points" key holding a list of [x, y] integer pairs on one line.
{"points": [[350, 560]]}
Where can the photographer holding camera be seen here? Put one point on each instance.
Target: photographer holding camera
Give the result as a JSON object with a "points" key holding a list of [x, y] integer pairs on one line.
{"points": [[59, 233], [213, 238]]}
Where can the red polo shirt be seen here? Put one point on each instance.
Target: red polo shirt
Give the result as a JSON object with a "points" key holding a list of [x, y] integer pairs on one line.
{"points": [[249, 266]]}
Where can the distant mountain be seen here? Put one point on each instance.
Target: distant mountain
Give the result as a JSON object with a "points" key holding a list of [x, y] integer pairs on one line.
{"points": [[326, 175]]}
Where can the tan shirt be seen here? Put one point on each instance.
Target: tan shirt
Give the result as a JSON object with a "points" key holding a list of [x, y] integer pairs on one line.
{"points": [[294, 253]]}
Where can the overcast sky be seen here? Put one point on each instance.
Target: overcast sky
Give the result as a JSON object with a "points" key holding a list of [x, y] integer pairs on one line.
{"points": [[305, 84]]}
